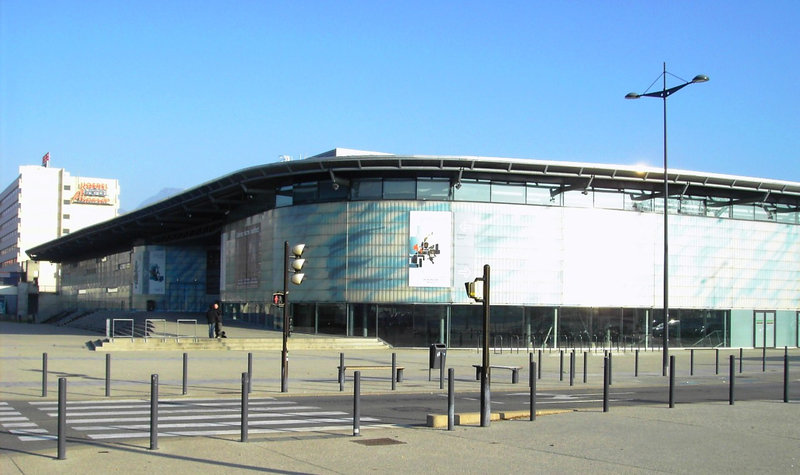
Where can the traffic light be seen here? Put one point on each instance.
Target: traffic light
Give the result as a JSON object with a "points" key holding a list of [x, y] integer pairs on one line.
{"points": [[297, 263], [475, 289], [277, 299]]}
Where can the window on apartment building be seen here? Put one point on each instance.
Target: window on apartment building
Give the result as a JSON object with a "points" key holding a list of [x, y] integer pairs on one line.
{"points": [[65, 216]]}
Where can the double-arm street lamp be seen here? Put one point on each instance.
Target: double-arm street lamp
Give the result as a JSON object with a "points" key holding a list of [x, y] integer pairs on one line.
{"points": [[663, 94]]}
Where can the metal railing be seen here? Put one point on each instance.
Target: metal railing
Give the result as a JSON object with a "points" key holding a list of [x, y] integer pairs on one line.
{"points": [[178, 333], [114, 321], [127, 328]]}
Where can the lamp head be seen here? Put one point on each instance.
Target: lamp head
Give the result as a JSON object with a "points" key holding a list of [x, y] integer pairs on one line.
{"points": [[632, 95], [700, 78]]}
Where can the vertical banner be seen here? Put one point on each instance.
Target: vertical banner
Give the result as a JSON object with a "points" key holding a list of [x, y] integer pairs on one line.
{"points": [[155, 271], [148, 270], [430, 238]]}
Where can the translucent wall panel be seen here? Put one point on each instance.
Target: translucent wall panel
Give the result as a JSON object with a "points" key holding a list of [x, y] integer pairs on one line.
{"points": [[539, 255]]}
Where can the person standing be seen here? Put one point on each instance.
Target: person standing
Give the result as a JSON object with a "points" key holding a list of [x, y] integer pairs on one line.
{"points": [[214, 318]]}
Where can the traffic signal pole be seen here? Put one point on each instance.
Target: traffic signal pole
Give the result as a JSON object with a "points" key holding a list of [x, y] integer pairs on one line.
{"points": [[285, 351]]}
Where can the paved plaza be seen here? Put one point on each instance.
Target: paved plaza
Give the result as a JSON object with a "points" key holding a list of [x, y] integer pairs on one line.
{"points": [[711, 437]]}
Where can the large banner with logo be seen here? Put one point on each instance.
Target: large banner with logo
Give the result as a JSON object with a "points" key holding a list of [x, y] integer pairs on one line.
{"points": [[430, 245]]}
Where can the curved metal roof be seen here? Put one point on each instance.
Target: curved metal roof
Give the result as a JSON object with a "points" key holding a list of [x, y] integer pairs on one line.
{"points": [[197, 215]]}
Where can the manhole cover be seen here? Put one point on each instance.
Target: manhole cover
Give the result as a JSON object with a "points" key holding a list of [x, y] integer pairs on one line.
{"points": [[382, 441]]}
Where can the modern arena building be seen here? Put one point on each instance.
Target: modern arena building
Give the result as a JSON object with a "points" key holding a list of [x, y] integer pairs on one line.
{"points": [[576, 252]]}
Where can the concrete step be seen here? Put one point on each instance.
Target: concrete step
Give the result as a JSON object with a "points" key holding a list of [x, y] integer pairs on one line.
{"points": [[236, 344]]}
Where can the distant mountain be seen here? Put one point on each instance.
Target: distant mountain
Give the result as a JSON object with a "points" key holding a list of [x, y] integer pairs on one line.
{"points": [[161, 195]]}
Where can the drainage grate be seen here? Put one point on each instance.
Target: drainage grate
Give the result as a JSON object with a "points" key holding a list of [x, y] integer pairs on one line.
{"points": [[383, 441]]}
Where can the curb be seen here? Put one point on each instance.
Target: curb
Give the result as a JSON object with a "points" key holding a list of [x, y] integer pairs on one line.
{"points": [[439, 421]]}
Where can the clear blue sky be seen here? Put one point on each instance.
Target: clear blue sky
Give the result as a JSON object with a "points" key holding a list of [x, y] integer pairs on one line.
{"points": [[174, 93]]}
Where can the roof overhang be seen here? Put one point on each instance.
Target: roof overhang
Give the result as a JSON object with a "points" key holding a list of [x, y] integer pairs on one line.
{"points": [[197, 216]]}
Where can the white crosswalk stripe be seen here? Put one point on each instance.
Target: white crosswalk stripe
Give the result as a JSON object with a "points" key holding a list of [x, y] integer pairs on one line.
{"points": [[130, 418], [21, 426]]}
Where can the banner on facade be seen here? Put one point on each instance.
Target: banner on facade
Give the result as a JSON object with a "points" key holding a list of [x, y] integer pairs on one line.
{"points": [[149, 264], [430, 249]]}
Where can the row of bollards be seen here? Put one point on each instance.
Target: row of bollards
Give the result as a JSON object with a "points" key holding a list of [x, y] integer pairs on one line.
{"points": [[395, 375], [534, 374]]}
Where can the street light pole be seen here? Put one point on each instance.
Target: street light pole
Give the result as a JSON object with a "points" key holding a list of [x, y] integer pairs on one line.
{"points": [[663, 94]]}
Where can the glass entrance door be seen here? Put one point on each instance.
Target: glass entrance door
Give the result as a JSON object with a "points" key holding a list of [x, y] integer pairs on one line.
{"points": [[764, 329]]}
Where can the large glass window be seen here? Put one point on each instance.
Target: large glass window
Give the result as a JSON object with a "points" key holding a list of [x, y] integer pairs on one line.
{"points": [[473, 191], [305, 193], [541, 323], [743, 211], [367, 189], [332, 318], [704, 328], [433, 189], [399, 189], [466, 326], [507, 327], [502, 193], [537, 195], [303, 317], [283, 197], [396, 324], [579, 199], [328, 193]]}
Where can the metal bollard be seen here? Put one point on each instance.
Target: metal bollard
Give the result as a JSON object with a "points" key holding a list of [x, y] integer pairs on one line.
{"points": [[539, 370], [672, 381], [394, 371], [245, 406], [572, 369], [532, 382], [62, 418], [610, 368], [531, 368], [441, 371], [249, 372], [732, 377], [153, 412], [636, 364], [341, 371], [356, 403], [451, 399], [786, 376], [605, 383], [44, 374], [740, 360], [585, 359], [691, 362], [108, 374], [764, 358], [716, 361], [185, 373], [561, 366]]}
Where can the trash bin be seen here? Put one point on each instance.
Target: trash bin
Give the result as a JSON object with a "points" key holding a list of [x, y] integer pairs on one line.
{"points": [[438, 353]]}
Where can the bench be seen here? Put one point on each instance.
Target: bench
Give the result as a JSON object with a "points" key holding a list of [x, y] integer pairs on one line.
{"points": [[399, 370], [514, 371]]}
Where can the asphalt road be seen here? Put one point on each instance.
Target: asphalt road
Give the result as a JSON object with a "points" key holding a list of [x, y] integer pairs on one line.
{"points": [[30, 424]]}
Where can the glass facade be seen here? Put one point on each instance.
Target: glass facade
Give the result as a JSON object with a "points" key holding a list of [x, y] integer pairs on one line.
{"points": [[576, 268]]}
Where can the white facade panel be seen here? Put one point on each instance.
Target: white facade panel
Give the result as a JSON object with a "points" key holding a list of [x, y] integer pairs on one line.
{"points": [[539, 256]]}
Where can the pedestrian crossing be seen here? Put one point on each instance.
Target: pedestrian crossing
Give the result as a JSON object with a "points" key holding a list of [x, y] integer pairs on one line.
{"points": [[23, 428], [130, 418]]}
